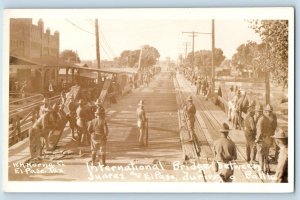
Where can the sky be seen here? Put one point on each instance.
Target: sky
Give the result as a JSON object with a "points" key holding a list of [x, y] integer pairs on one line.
{"points": [[117, 35]]}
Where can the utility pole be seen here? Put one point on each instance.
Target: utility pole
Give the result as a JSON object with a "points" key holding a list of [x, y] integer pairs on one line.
{"points": [[186, 46], [140, 59], [194, 34], [97, 43], [213, 55]]}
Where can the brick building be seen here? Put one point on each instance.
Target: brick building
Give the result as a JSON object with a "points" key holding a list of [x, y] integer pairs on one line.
{"points": [[32, 41], [34, 55]]}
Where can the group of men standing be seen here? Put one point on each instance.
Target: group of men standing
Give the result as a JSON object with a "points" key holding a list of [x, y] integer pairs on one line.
{"points": [[261, 132], [88, 130], [87, 123], [202, 86], [260, 124]]}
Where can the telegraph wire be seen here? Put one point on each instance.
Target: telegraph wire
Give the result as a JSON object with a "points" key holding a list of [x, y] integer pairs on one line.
{"points": [[75, 25]]}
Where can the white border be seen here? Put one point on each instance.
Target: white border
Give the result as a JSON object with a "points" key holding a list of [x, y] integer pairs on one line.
{"points": [[161, 13]]}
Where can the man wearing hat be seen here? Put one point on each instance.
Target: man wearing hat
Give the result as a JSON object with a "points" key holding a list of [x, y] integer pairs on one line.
{"points": [[141, 122], [273, 120], [263, 137], [45, 106], [99, 104], [190, 112], [204, 84], [81, 125], [281, 141], [225, 152], [71, 116], [250, 133], [99, 132], [63, 97], [61, 112], [198, 84]]}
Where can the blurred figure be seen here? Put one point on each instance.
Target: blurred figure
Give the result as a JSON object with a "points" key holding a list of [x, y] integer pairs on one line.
{"points": [[190, 112], [250, 133], [273, 120], [141, 122], [281, 141], [225, 152], [99, 131], [198, 84], [81, 125], [44, 107], [263, 138]]}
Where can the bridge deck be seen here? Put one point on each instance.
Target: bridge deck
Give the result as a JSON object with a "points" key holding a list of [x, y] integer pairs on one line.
{"points": [[165, 142]]}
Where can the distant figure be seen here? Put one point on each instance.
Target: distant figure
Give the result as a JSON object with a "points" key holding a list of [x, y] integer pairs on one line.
{"points": [[235, 110], [198, 84], [281, 141], [99, 104], [263, 138], [239, 108], [99, 132], [250, 133], [81, 125], [23, 88], [141, 122], [268, 111], [46, 105], [50, 89], [63, 97], [190, 112], [204, 86], [61, 112], [225, 152], [71, 117], [230, 105]]}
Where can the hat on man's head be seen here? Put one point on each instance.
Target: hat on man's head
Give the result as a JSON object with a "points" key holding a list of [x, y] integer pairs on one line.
{"points": [[98, 102], [61, 106], [55, 106], [224, 128], [251, 104], [47, 110], [259, 107], [100, 111], [80, 101], [279, 134], [268, 108], [45, 100], [141, 103], [190, 98]]}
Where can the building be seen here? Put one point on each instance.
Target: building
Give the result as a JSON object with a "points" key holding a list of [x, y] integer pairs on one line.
{"points": [[34, 55], [32, 41]]}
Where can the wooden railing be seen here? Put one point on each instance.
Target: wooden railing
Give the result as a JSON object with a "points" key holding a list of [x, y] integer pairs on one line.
{"points": [[22, 118]]}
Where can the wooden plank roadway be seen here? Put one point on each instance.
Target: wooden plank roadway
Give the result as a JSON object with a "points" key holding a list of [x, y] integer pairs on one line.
{"points": [[122, 147]]}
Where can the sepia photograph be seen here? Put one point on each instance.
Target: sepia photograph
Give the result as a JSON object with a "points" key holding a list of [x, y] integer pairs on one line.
{"points": [[148, 100]]}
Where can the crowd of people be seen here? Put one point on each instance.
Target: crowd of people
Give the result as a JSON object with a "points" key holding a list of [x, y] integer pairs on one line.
{"points": [[261, 132], [86, 120]]}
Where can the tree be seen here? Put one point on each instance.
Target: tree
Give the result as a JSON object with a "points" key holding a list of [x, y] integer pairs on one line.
{"points": [[130, 58], [274, 58], [149, 56], [70, 56], [247, 55], [274, 35], [203, 59]]}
